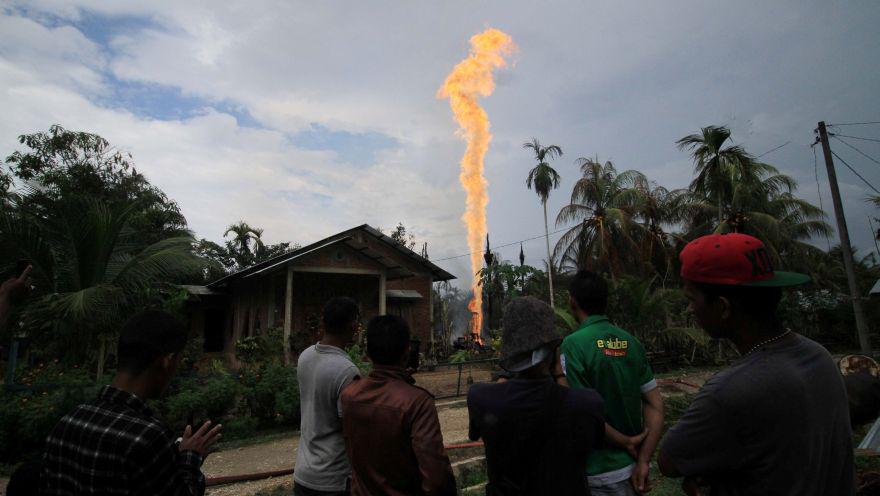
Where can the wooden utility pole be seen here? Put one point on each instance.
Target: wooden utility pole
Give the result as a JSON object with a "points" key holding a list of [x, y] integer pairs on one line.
{"points": [[861, 323]]}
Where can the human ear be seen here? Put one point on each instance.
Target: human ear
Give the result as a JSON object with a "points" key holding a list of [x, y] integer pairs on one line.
{"points": [[725, 307], [170, 362]]}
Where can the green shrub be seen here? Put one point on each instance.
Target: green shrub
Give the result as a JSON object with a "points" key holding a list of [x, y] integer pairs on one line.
{"points": [[287, 403], [26, 418], [239, 428], [358, 355], [272, 394], [211, 398], [262, 349]]}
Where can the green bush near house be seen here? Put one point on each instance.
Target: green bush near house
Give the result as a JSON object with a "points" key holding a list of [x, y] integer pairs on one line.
{"points": [[240, 428], [271, 394], [211, 398]]}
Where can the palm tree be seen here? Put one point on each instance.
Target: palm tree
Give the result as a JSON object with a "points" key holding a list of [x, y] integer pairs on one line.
{"points": [[90, 270], [544, 178], [762, 203], [655, 207], [245, 243], [714, 164], [602, 205]]}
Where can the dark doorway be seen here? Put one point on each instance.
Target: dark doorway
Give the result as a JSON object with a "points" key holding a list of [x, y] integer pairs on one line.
{"points": [[215, 318]]}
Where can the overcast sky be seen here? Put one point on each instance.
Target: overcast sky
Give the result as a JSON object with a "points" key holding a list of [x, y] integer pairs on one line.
{"points": [[310, 118]]}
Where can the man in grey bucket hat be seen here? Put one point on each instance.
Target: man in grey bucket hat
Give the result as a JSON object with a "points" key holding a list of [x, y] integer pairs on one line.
{"points": [[529, 334], [537, 433]]}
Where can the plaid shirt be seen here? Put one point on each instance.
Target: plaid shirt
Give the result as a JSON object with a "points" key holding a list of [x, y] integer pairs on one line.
{"points": [[115, 445]]}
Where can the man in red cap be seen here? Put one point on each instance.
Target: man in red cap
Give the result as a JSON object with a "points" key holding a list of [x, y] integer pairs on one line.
{"points": [[776, 421]]}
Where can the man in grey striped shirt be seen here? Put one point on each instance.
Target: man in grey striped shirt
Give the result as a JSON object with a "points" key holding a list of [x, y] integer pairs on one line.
{"points": [[115, 444]]}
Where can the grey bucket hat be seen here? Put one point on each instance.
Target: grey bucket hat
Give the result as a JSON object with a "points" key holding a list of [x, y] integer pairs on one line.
{"points": [[528, 334]]}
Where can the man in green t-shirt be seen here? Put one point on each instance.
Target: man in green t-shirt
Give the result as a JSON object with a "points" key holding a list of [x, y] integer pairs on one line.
{"points": [[613, 362]]}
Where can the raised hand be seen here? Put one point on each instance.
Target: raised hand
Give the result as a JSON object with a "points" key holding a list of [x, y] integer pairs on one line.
{"points": [[14, 289], [202, 440]]}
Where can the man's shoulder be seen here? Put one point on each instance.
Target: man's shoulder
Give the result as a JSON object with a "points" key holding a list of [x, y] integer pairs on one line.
{"points": [[325, 359], [812, 347], [411, 390], [305, 357], [352, 389], [777, 368], [588, 337], [109, 422], [479, 393]]}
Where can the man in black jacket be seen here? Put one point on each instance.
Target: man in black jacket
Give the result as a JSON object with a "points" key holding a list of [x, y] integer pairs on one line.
{"points": [[538, 433]]}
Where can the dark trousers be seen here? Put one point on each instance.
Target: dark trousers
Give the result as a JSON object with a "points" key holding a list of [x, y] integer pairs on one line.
{"points": [[300, 490]]}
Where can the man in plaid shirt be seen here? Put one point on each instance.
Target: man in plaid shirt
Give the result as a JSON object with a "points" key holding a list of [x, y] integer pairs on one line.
{"points": [[115, 445]]}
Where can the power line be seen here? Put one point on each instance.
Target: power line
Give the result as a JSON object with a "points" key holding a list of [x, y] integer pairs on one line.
{"points": [[501, 246], [854, 123], [872, 159], [855, 137], [856, 173], [773, 150]]}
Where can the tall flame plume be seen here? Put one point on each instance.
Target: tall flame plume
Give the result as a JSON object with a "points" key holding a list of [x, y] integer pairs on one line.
{"points": [[469, 80]]}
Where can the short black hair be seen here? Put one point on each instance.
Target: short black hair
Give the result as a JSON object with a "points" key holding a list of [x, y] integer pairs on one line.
{"points": [[590, 291], [147, 336], [338, 313], [387, 339], [759, 302]]}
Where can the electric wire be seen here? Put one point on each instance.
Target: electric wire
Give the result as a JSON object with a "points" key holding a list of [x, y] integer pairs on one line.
{"points": [[774, 149], [856, 137], [854, 172], [854, 123], [872, 159], [502, 246]]}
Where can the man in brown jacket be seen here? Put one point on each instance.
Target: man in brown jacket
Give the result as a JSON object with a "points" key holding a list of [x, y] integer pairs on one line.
{"points": [[391, 429]]}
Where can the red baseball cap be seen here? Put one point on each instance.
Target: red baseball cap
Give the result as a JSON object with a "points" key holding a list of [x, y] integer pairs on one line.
{"points": [[733, 259]]}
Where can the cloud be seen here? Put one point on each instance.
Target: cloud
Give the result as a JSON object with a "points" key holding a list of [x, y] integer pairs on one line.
{"points": [[309, 118]]}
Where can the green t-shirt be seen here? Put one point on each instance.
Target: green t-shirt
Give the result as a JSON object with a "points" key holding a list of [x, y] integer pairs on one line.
{"points": [[613, 362]]}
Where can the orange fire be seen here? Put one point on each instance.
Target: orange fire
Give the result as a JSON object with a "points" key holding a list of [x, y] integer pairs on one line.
{"points": [[469, 80]]}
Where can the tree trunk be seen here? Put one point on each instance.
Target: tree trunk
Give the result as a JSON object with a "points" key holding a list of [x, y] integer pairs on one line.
{"points": [[549, 257]]}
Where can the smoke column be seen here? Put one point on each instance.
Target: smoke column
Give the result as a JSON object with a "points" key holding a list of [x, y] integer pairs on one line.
{"points": [[469, 80]]}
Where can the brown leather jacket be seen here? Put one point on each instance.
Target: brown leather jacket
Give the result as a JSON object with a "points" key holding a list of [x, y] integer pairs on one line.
{"points": [[392, 435]]}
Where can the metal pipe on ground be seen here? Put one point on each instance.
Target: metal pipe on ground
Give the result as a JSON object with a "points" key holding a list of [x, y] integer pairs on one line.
{"points": [[231, 479]]}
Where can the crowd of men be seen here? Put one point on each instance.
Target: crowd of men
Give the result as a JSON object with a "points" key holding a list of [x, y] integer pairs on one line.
{"points": [[576, 416]]}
